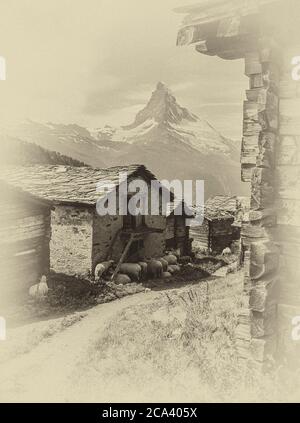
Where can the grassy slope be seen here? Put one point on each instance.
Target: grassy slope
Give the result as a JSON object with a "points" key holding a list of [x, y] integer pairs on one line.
{"points": [[173, 345], [181, 348]]}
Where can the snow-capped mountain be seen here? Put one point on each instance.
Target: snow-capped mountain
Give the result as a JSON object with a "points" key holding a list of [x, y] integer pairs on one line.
{"points": [[70, 140], [171, 141], [176, 144], [164, 113]]}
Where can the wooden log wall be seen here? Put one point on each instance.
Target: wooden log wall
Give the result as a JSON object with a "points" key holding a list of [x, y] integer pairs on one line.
{"points": [[257, 324], [24, 240], [288, 208], [270, 162], [266, 34], [200, 235]]}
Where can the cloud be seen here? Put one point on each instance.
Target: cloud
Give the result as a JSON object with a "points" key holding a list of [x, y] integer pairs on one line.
{"points": [[183, 86], [90, 61], [121, 116], [220, 104]]}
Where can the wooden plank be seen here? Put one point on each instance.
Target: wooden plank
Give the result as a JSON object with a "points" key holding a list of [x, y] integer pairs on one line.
{"points": [[249, 149], [252, 63], [123, 256], [266, 155], [246, 172], [271, 77], [264, 258], [256, 81]]}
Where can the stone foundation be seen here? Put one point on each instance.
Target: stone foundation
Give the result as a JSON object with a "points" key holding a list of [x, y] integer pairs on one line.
{"points": [[155, 244]]}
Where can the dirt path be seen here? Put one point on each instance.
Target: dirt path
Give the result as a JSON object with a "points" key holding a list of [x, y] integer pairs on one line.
{"points": [[129, 350], [45, 374]]}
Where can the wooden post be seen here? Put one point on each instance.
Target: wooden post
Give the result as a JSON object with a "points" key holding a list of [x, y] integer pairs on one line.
{"points": [[123, 256]]}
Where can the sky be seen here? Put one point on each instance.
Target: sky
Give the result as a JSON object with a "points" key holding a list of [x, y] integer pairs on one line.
{"points": [[96, 62]]}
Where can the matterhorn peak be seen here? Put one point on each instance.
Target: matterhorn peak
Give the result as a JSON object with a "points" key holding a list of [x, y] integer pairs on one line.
{"points": [[164, 121], [161, 86], [163, 90], [162, 108]]}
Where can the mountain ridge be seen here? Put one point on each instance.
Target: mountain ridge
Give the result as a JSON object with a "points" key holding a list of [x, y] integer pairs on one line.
{"points": [[19, 153], [164, 136], [163, 112]]}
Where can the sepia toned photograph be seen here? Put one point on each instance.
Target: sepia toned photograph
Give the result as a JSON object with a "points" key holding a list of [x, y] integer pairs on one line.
{"points": [[150, 205]]}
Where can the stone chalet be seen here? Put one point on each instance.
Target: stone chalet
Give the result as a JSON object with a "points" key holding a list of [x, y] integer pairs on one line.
{"points": [[80, 237]]}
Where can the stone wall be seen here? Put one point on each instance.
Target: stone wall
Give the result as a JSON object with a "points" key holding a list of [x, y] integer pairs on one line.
{"points": [[107, 242], [155, 244], [71, 240], [105, 237]]}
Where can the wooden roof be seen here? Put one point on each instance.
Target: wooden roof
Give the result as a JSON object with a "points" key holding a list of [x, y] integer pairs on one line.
{"points": [[15, 203], [205, 9], [67, 184], [229, 28], [220, 207]]}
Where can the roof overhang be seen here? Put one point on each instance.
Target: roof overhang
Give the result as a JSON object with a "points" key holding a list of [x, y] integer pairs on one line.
{"points": [[231, 28]]}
